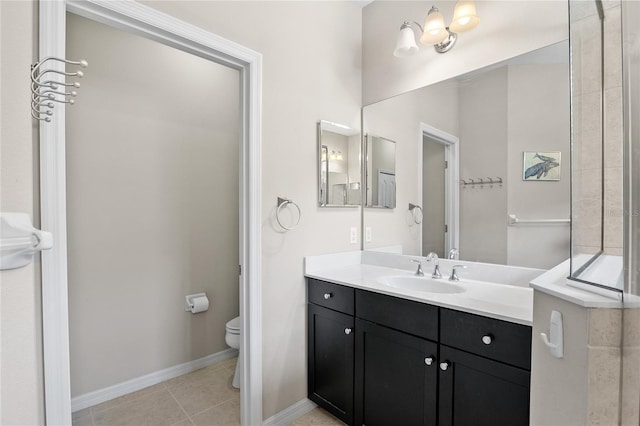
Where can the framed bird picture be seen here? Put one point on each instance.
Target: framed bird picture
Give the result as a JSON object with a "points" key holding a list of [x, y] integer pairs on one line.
{"points": [[541, 166]]}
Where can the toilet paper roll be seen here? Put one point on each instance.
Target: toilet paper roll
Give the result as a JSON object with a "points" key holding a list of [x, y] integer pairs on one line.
{"points": [[199, 304]]}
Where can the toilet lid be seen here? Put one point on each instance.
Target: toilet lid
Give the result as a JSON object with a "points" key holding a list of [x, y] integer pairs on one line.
{"points": [[233, 325]]}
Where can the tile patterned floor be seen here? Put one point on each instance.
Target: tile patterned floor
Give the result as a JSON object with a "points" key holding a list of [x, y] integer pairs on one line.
{"points": [[202, 398]]}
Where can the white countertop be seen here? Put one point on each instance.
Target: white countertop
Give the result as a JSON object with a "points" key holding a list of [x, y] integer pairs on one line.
{"points": [[513, 303], [496, 291], [554, 283]]}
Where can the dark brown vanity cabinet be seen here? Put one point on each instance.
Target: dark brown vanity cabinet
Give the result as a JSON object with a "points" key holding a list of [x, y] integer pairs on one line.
{"points": [[382, 360], [331, 348], [396, 377], [477, 391]]}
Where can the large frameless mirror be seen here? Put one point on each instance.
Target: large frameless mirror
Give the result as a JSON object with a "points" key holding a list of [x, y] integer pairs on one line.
{"points": [[339, 183], [481, 164]]}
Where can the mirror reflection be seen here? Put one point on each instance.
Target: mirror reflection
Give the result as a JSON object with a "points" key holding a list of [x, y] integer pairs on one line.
{"points": [[380, 172], [338, 165], [465, 149]]}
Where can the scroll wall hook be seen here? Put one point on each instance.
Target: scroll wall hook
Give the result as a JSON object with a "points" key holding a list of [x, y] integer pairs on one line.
{"points": [[283, 202], [555, 340], [44, 91], [416, 212]]}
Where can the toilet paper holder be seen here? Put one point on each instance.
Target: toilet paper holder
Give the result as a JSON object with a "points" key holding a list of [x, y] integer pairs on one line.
{"points": [[188, 300]]}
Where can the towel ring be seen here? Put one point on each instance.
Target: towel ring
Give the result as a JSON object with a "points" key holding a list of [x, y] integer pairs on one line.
{"points": [[282, 202]]}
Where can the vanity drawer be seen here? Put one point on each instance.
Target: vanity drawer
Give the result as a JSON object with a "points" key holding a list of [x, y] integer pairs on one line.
{"points": [[411, 317], [333, 296], [499, 340]]}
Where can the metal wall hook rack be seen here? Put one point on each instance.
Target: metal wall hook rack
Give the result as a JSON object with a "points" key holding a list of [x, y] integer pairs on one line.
{"points": [[482, 182], [44, 94], [283, 202]]}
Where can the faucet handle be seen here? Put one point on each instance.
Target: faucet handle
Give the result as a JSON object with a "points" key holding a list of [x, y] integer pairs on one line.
{"points": [[454, 275], [419, 272]]}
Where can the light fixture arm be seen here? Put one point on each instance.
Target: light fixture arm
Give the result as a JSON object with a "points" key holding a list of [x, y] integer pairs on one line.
{"points": [[418, 25], [446, 44]]}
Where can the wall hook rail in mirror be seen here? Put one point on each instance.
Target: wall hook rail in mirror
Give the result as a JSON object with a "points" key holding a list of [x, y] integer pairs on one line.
{"points": [[283, 202], [482, 182], [416, 212], [45, 93]]}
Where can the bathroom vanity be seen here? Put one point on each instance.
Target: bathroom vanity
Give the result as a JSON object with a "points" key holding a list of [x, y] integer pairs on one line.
{"points": [[391, 357]]}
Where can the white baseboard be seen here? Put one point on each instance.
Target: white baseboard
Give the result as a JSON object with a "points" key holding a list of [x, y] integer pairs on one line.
{"points": [[101, 395], [290, 413]]}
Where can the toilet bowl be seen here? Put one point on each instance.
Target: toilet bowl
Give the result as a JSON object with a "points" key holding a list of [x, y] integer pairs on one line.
{"points": [[232, 337]]}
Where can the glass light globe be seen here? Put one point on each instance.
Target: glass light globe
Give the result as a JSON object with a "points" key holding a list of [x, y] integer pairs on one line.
{"points": [[406, 45], [464, 17], [434, 29]]}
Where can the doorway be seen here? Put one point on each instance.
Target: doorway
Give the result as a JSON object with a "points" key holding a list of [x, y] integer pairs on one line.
{"points": [[167, 30], [152, 208], [438, 186], [434, 225]]}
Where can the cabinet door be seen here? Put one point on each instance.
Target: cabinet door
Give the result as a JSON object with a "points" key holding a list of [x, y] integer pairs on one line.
{"points": [[396, 377], [477, 391], [330, 361]]}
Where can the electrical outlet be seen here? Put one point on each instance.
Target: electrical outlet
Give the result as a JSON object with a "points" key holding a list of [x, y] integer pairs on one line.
{"points": [[367, 234], [353, 235]]}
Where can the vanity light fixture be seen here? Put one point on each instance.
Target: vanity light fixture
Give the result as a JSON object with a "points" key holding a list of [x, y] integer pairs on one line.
{"points": [[434, 32], [335, 155]]}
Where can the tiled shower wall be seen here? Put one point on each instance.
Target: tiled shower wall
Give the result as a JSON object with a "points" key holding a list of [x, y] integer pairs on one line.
{"points": [[597, 156]]}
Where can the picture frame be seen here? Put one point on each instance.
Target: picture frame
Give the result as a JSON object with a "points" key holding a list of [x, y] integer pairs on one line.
{"points": [[539, 166]]}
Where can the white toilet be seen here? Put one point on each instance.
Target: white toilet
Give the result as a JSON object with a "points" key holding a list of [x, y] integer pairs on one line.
{"points": [[232, 337]]}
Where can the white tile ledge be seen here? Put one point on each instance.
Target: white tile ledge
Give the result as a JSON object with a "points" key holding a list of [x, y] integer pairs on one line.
{"points": [[554, 283]]}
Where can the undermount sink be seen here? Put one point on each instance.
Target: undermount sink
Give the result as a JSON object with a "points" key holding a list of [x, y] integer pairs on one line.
{"points": [[424, 284]]}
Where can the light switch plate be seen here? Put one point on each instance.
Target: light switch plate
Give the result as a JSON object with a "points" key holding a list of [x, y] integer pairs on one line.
{"points": [[368, 234]]}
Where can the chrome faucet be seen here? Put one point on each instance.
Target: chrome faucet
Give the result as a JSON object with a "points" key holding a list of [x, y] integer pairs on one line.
{"points": [[436, 267], [454, 274], [419, 272], [454, 254]]}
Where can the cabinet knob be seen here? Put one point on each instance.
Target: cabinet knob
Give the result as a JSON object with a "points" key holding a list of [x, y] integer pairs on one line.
{"points": [[347, 331], [428, 360], [487, 339], [444, 366], [327, 296]]}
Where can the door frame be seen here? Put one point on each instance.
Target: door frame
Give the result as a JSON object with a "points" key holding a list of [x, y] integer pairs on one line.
{"points": [[142, 20], [451, 182]]}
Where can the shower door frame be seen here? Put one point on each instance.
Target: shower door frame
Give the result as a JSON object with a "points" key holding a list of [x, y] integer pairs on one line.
{"points": [[141, 20]]}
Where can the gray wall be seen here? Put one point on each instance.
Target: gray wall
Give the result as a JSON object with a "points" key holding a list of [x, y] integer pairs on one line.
{"points": [[502, 114], [484, 151], [399, 119], [21, 385], [317, 77], [538, 103], [152, 205]]}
